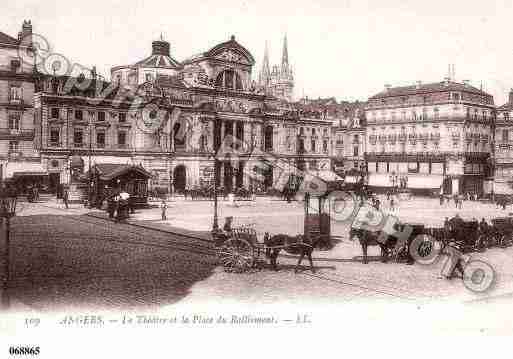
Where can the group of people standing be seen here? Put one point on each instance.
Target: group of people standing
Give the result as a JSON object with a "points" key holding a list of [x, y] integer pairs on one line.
{"points": [[119, 206], [458, 199]]}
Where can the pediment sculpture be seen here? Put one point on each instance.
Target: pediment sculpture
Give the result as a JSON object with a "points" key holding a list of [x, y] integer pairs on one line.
{"points": [[232, 56]]}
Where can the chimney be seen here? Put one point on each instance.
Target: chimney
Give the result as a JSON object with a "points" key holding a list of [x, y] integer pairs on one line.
{"points": [[160, 47], [511, 96], [388, 87], [417, 84], [446, 80], [26, 28]]}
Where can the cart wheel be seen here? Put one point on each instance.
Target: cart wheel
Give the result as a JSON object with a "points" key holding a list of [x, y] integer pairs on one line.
{"points": [[236, 255], [425, 248]]}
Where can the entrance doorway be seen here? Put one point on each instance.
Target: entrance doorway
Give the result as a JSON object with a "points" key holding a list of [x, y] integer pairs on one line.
{"points": [[179, 178], [447, 186], [54, 182]]}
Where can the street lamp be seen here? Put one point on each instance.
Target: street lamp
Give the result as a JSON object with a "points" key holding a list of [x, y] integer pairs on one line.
{"points": [[7, 210], [215, 224]]}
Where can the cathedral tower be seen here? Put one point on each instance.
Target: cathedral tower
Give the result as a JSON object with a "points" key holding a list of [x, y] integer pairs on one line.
{"points": [[280, 81]]}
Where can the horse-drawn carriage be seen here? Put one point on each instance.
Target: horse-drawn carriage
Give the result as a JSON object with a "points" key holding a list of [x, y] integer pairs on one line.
{"points": [[463, 235], [501, 232], [239, 249], [389, 243]]}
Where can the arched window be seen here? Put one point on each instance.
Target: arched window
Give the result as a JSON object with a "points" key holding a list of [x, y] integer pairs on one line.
{"points": [[229, 79]]}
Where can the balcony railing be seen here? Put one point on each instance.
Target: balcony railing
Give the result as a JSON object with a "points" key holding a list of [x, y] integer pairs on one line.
{"points": [[54, 144], [78, 144], [16, 101], [16, 134]]}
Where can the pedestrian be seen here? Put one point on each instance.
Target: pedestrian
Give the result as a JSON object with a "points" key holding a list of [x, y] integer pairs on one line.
{"points": [[111, 206], [163, 209], [460, 201], [392, 203], [455, 198], [65, 197], [441, 200]]}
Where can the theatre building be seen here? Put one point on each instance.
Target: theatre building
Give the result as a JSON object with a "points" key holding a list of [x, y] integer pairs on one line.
{"points": [[430, 137], [210, 94]]}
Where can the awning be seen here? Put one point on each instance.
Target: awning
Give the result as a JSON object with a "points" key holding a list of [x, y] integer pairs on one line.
{"points": [[29, 173], [379, 180], [329, 176], [110, 171], [414, 181], [425, 182], [20, 169], [502, 188]]}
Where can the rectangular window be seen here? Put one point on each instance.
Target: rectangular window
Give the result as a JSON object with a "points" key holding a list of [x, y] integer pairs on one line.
{"points": [[79, 115], [100, 139], [78, 138], [325, 146], [301, 145], [122, 138], [101, 116], [355, 151], [505, 135], [15, 94], [122, 117], [14, 121], [54, 136], [313, 146], [13, 146], [54, 113]]}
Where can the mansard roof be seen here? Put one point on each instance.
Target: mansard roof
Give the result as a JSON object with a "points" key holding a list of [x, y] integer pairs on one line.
{"points": [[443, 86]]}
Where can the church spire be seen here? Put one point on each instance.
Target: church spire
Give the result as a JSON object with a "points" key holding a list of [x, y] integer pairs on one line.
{"points": [[265, 72], [285, 54]]}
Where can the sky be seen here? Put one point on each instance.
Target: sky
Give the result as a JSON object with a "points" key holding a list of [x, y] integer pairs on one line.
{"points": [[344, 49]]}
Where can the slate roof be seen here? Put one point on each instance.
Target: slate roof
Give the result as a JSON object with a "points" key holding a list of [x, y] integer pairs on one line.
{"points": [[109, 171], [428, 88], [159, 61], [6, 39]]}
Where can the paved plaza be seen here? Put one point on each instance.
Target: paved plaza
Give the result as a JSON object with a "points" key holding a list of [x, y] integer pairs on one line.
{"points": [[66, 259]]}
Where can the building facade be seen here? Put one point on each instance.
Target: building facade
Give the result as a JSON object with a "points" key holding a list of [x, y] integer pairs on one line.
{"points": [[503, 154], [18, 156], [435, 136], [170, 117]]}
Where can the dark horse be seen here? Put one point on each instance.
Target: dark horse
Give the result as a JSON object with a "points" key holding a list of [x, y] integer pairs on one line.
{"points": [[388, 243], [369, 238], [297, 245]]}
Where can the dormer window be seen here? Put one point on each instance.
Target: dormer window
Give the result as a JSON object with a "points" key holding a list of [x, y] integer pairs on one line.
{"points": [[149, 77]]}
